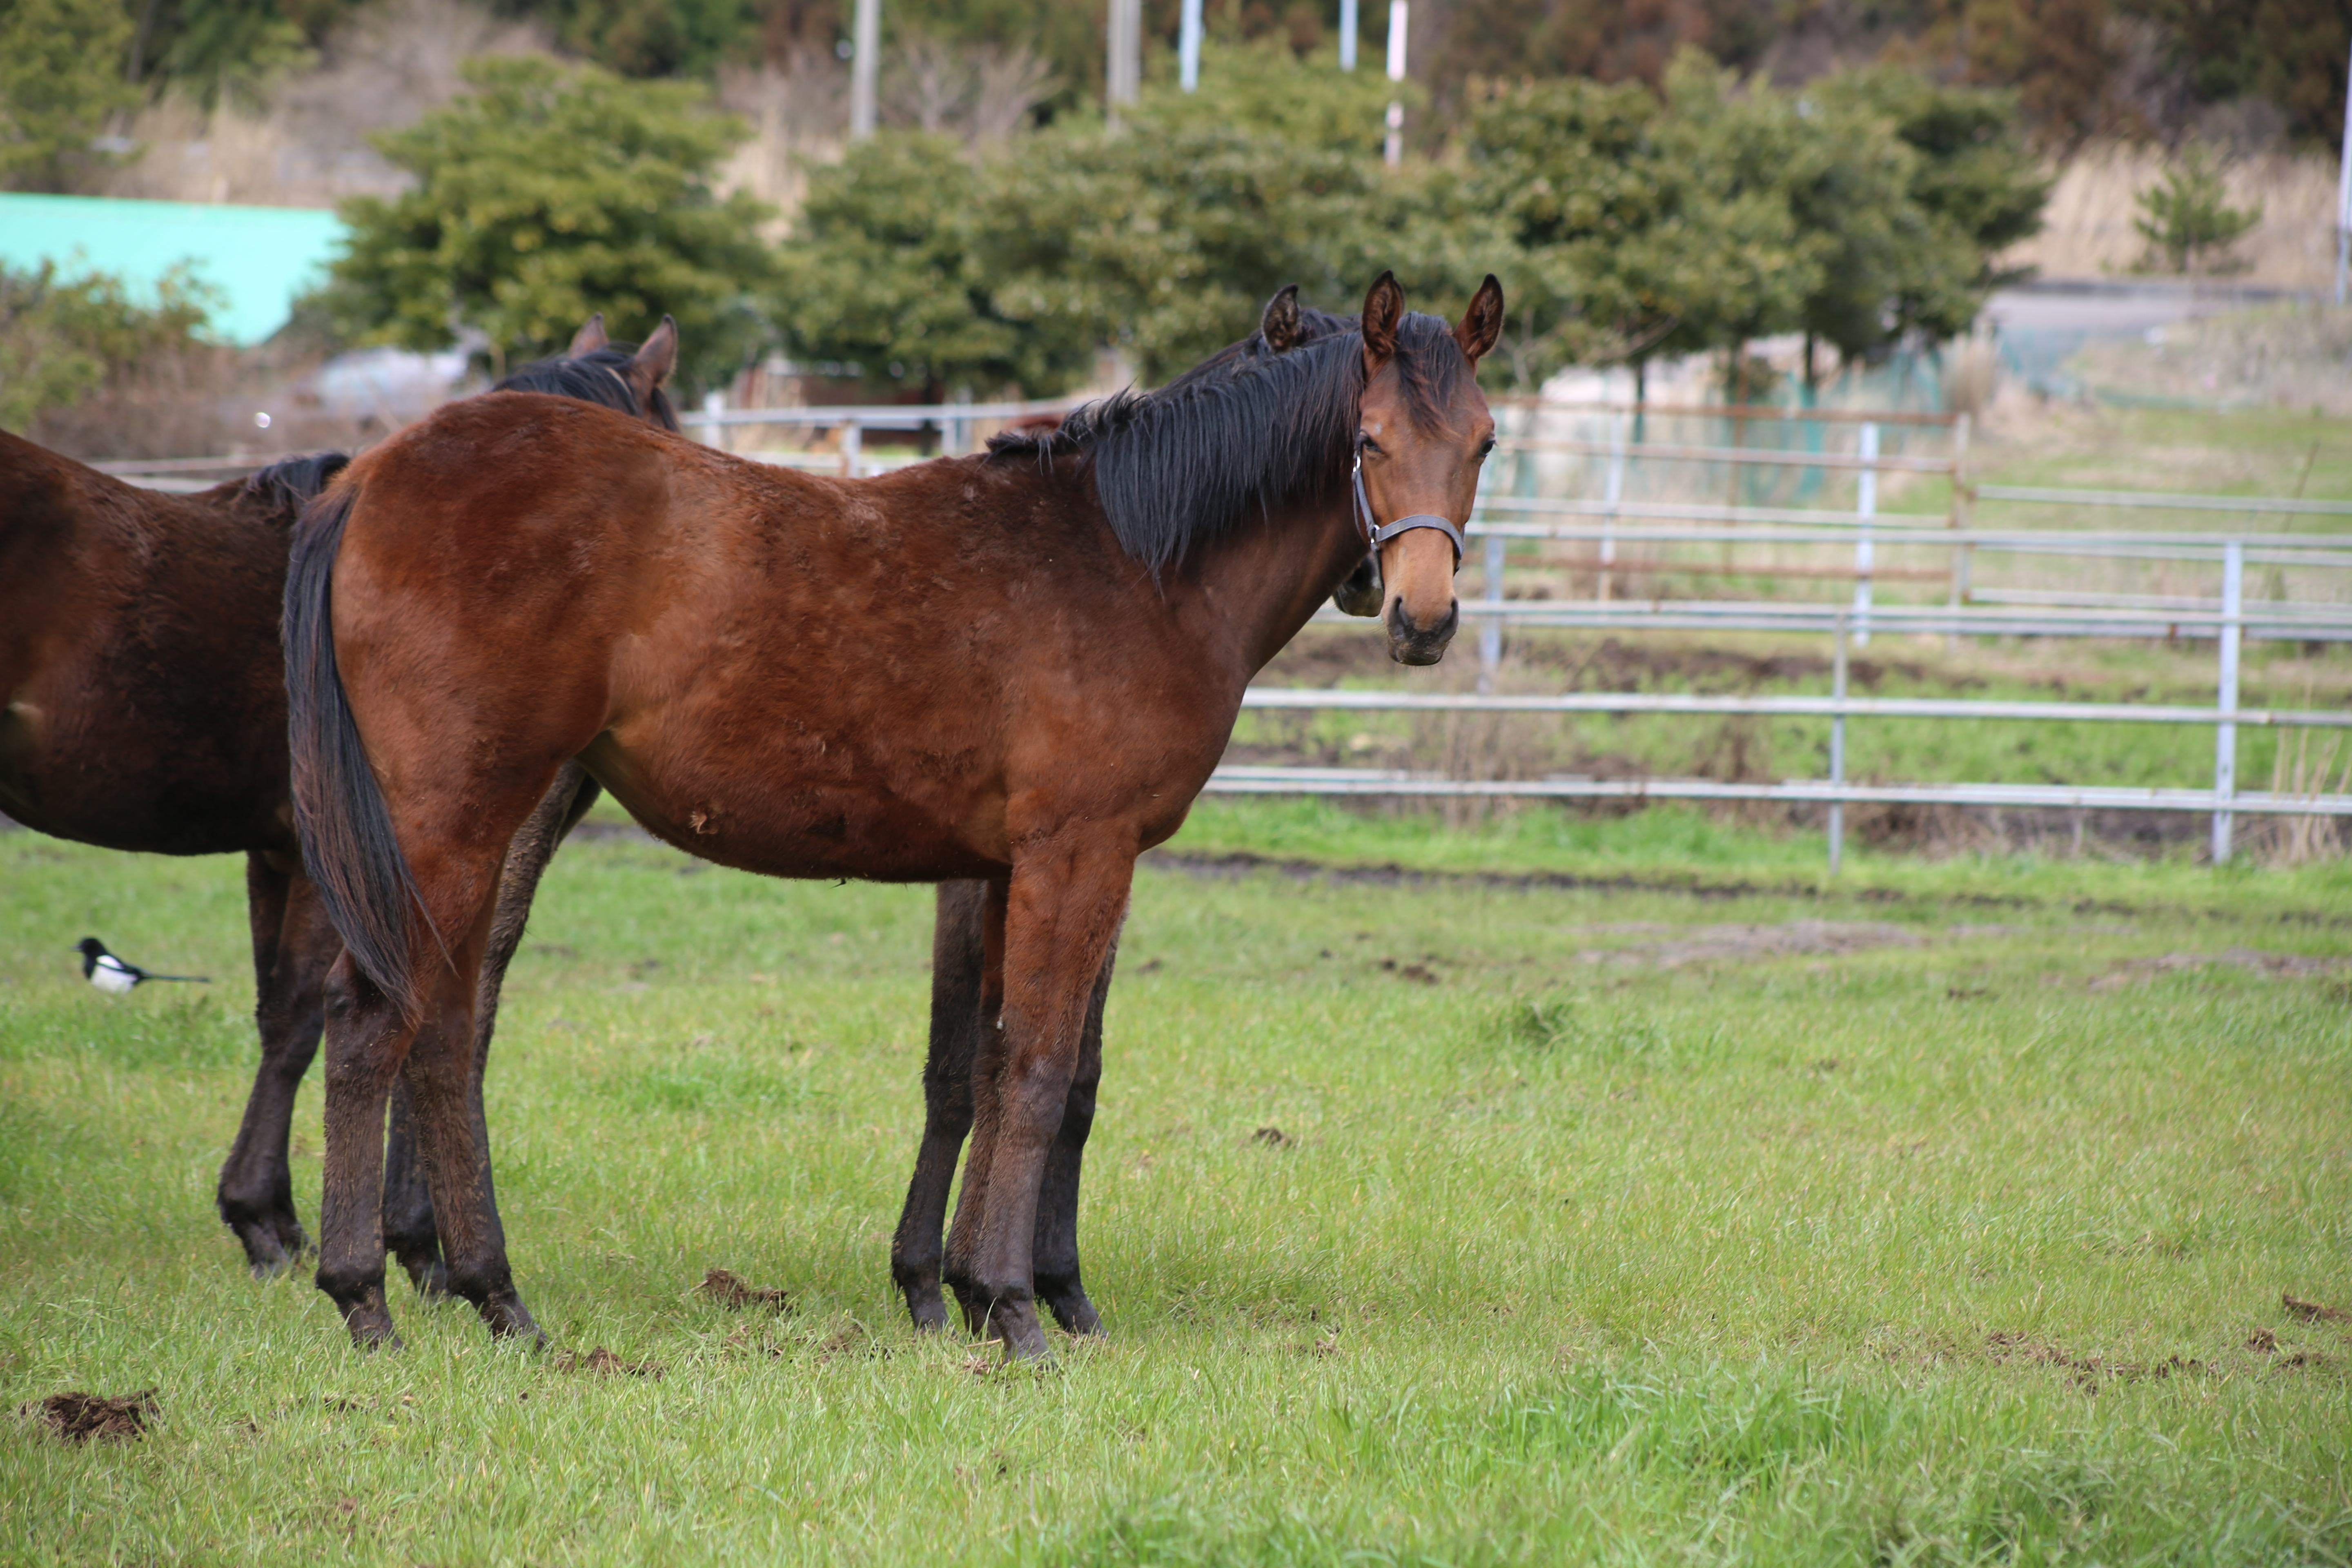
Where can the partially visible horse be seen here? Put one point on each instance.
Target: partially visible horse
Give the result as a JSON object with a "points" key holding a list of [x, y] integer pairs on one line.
{"points": [[145, 710], [1018, 667]]}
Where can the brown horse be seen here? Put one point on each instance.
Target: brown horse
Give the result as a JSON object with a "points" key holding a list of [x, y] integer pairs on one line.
{"points": [[966, 997], [146, 710], [1018, 667]]}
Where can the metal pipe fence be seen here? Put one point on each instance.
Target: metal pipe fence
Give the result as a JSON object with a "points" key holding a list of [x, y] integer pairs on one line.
{"points": [[1634, 537]]}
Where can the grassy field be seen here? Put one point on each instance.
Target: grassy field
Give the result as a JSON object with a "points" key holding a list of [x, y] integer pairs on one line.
{"points": [[1671, 1209]]}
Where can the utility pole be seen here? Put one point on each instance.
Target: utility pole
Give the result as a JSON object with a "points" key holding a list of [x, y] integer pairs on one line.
{"points": [[1188, 48], [1396, 74], [1348, 27], [2344, 197], [1123, 71], [866, 53]]}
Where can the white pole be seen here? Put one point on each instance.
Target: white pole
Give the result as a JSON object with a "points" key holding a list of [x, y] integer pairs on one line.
{"points": [[1613, 493], [1123, 71], [2225, 734], [1188, 47], [1348, 27], [1865, 507], [866, 53], [2343, 201], [1396, 73], [1837, 752]]}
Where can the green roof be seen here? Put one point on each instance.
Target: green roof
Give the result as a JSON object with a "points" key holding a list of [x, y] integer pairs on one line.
{"points": [[259, 259]]}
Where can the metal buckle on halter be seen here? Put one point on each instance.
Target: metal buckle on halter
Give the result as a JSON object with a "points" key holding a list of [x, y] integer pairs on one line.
{"points": [[1375, 535]]}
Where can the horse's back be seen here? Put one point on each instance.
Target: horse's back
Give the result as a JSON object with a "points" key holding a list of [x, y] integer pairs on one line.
{"points": [[144, 699]]}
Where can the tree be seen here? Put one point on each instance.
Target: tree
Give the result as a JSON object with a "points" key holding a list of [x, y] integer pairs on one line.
{"points": [[1163, 240], [887, 271], [61, 342], [2187, 219], [61, 79], [546, 195]]}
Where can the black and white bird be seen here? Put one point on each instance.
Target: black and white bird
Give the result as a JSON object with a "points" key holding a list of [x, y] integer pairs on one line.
{"points": [[114, 976]]}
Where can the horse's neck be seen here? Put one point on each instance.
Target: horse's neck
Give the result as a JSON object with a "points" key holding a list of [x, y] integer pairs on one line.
{"points": [[1251, 592]]}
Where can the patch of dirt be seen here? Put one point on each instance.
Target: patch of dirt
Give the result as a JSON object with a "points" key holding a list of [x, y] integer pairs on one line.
{"points": [[728, 1289], [1273, 1137], [2273, 965], [602, 1363], [2311, 1311], [1733, 944], [1419, 974], [78, 1417], [2086, 1372], [2261, 1342]]}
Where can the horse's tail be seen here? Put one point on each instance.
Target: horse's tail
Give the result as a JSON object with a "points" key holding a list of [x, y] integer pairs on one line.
{"points": [[348, 843]]}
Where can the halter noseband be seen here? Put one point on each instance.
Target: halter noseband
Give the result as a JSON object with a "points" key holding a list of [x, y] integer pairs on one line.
{"points": [[1376, 535]]}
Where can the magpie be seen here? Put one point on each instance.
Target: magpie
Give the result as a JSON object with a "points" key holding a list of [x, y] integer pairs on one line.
{"points": [[114, 976]]}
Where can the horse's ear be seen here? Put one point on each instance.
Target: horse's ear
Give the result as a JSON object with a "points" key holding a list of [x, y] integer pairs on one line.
{"points": [[1482, 324], [589, 338], [1383, 309], [1280, 326], [651, 365]]}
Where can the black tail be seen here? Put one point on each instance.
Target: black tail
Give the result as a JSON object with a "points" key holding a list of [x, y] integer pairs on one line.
{"points": [[189, 979], [348, 843]]}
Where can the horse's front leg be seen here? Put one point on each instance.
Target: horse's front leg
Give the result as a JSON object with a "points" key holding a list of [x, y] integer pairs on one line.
{"points": [[293, 947], [1063, 915], [959, 1012], [1055, 1256]]}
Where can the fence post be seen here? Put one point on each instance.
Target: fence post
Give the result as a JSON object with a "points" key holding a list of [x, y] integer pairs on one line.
{"points": [[853, 445], [1962, 558], [1613, 495], [714, 428], [2225, 733], [1837, 749], [1866, 507]]}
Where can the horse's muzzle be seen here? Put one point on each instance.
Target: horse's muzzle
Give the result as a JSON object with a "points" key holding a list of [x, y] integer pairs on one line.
{"points": [[1410, 642]]}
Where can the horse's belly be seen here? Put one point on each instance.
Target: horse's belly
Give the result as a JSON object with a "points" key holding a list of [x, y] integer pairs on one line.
{"points": [[803, 827]]}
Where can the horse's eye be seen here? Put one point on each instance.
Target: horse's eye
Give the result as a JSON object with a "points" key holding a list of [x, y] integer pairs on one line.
{"points": [[1486, 448], [1368, 444]]}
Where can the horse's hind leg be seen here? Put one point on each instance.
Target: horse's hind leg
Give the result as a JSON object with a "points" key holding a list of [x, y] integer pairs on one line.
{"points": [[366, 1039], [958, 969], [983, 1059], [1055, 1266], [409, 1225], [293, 946]]}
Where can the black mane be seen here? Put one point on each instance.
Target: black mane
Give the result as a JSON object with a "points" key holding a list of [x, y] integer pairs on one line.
{"points": [[287, 484], [600, 376], [1240, 434]]}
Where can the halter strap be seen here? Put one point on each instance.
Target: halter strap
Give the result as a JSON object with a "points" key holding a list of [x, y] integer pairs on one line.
{"points": [[1376, 535]]}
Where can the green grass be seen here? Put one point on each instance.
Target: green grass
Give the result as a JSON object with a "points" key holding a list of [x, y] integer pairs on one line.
{"points": [[1940, 1242]]}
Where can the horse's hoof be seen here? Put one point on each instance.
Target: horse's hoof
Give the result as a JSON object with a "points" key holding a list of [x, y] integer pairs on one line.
{"points": [[929, 1313], [508, 1319], [372, 1331], [1075, 1314], [1016, 1322], [429, 1275]]}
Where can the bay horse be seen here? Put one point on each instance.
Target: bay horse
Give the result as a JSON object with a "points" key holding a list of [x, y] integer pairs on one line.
{"points": [[145, 710], [966, 996], [1018, 667]]}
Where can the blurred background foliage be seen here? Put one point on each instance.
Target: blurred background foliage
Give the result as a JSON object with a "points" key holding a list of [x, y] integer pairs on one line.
{"points": [[2079, 68], [1648, 180]]}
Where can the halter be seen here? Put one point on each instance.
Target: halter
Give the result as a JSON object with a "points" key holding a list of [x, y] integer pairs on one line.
{"points": [[1375, 535]]}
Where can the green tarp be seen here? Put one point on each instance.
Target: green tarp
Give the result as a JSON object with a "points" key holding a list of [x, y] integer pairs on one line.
{"points": [[259, 259]]}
